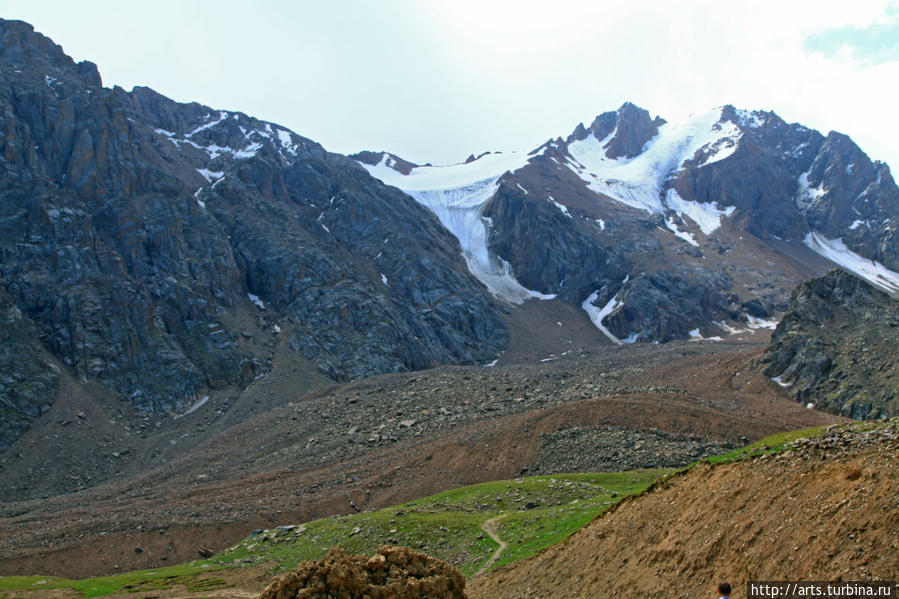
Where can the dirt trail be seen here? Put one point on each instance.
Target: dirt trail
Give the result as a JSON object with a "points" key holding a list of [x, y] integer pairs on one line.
{"points": [[490, 528]]}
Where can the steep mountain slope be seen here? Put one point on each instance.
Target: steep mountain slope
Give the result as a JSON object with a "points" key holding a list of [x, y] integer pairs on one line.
{"points": [[668, 230], [824, 511], [155, 247], [836, 347]]}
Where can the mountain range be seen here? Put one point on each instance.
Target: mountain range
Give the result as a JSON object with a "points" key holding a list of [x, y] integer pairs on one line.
{"points": [[164, 252], [212, 324]]}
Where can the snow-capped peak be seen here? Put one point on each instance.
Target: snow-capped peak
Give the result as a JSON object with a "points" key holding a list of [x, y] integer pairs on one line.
{"points": [[639, 182]]}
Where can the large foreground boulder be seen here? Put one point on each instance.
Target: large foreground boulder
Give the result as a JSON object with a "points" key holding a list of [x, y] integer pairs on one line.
{"points": [[392, 573]]}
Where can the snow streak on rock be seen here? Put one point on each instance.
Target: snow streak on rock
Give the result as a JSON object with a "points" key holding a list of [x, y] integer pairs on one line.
{"points": [[873, 272]]}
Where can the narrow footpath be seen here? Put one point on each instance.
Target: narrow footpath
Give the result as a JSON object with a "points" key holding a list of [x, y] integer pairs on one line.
{"points": [[490, 528]]}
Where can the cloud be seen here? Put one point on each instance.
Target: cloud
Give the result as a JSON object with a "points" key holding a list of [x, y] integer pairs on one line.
{"points": [[435, 81]]}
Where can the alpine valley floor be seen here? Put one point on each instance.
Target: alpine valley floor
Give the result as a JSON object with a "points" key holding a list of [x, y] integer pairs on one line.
{"points": [[373, 443]]}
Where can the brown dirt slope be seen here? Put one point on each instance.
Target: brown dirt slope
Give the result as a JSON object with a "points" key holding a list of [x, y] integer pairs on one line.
{"points": [[827, 510]]}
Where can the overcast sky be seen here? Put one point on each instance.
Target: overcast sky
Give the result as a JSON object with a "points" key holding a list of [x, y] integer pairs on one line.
{"points": [[435, 80]]}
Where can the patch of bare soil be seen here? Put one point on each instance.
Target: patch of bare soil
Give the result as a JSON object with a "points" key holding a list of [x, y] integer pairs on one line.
{"points": [[827, 510]]}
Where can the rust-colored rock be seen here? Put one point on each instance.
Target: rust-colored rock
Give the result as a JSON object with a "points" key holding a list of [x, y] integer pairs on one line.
{"points": [[392, 573]]}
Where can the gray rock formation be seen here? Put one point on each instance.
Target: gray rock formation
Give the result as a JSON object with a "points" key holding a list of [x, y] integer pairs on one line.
{"points": [[836, 347]]}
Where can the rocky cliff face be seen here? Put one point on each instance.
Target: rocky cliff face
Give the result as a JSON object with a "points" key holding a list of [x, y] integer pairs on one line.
{"points": [[137, 233], [545, 251], [835, 347]]}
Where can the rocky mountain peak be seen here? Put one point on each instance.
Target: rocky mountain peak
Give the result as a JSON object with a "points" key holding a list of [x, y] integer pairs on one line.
{"points": [[22, 48], [624, 132]]}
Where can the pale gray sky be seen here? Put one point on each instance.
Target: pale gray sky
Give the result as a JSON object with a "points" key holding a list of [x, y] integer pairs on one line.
{"points": [[435, 80]]}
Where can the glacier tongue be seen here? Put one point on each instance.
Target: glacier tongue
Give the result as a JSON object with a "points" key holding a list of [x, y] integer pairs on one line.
{"points": [[457, 194]]}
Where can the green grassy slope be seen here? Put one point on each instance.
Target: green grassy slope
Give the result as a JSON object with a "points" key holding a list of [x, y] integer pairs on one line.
{"points": [[536, 513]]}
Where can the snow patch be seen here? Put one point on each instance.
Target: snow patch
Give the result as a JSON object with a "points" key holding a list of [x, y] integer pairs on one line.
{"points": [[807, 194], [695, 335], [255, 299], [777, 380], [856, 224], [208, 124], [211, 175], [601, 223], [559, 206], [197, 198], [196, 406], [731, 330], [751, 119], [597, 315], [383, 278], [761, 323], [685, 235], [287, 142], [706, 215], [836, 251]]}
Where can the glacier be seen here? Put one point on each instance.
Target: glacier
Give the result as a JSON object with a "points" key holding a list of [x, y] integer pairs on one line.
{"points": [[456, 194]]}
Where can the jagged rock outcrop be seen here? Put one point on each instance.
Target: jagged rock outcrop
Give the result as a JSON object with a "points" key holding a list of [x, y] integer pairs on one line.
{"points": [[835, 347], [630, 127], [28, 380], [761, 177], [390, 160], [392, 573], [135, 229], [787, 180], [667, 305], [854, 199], [547, 251]]}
